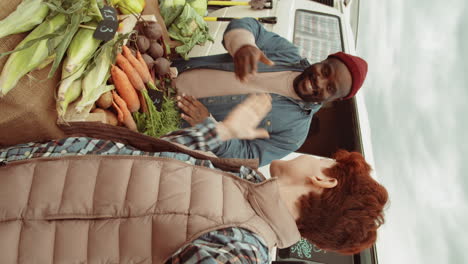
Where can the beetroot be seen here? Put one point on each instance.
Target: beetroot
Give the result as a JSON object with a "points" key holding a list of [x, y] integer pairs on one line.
{"points": [[162, 66], [155, 50], [152, 30]]}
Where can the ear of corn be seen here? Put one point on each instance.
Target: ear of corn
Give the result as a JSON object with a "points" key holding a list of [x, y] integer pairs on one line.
{"points": [[70, 95], [28, 59], [27, 15], [68, 79], [81, 49], [96, 77]]}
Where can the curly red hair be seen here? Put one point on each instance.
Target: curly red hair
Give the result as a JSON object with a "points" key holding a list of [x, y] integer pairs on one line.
{"points": [[345, 218]]}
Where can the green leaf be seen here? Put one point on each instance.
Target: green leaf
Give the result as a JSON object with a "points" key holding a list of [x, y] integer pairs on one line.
{"points": [[30, 43], [71, 30]]}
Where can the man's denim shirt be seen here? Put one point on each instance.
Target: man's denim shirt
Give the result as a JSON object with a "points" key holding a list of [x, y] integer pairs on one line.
{"points": [[289, 120]]}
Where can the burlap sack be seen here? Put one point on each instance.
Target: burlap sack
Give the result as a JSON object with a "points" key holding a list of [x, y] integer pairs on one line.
{"points": [[27, 112]]}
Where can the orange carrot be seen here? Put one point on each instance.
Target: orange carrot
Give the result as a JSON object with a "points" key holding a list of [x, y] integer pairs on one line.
{"points": [[142, 71], [119, 112], [127, 116], [125, 88], [143, 63], [144, 106], [130, 71]]}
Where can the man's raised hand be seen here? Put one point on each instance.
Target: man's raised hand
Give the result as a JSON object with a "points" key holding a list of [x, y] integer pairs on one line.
{"points": [[242, 121], [246, 59]]}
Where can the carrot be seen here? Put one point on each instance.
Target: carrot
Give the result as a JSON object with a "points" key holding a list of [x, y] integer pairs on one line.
{"points": [[119, 112], [130, 71], [143, 64], [127, 118], [142, 71], [144, 106], [125, 88]]}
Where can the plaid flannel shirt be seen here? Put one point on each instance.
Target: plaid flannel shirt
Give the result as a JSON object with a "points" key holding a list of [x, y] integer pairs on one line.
{"points": [[229, 245]]}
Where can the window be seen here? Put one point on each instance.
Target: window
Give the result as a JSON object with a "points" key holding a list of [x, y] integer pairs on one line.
{"points": [[317, 35]]}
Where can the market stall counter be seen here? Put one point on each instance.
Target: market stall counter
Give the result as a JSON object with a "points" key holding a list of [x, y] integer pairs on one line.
{"points": [[28, 111]]}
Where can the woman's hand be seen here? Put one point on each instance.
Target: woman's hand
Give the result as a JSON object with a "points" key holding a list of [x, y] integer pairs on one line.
{"points": [[194, 111], [242, 121], [246, 59]]}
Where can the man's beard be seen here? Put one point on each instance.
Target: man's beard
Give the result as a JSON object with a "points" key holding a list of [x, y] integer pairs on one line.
{"points": [[305, 97]]}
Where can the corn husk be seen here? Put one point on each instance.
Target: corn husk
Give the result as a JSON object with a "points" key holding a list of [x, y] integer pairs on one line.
{"points": [[29, 58], [81, 49], [27, 15], [70, 95], [97, 77]]}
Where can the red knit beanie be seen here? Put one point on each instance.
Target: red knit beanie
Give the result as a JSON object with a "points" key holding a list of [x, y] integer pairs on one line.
{"points": [[357, 67]]}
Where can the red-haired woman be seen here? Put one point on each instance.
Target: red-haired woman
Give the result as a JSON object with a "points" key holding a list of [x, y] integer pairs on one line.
{"points": [[337, 205]]}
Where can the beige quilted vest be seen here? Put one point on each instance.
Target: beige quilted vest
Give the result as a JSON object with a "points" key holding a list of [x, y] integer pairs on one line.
{"points": [[122, 209]]}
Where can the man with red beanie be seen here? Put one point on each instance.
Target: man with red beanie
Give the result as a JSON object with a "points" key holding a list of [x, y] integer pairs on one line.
{"points": [[260, 61]]}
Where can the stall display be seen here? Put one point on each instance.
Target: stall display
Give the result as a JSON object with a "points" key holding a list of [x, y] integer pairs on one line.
{"points": [[114, 63]]}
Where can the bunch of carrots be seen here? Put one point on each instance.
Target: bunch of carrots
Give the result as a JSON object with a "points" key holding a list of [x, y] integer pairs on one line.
{"points": [[130, 76]]}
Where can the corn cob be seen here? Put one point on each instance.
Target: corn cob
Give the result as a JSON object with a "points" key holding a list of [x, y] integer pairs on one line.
{"points": [[27, 15], [70, 95], [93, 84], [26, 60], [81, 49]]}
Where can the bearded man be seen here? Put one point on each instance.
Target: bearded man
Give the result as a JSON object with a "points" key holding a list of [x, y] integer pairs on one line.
{"points": [[260, 61]]}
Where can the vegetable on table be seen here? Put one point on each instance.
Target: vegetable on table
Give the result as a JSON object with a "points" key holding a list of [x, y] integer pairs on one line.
{"points": [[147, 60], [171, 9], [155, 50], [143, 103], [190, 29], [80, 51], [78, 12], [70, 95], [162, 66], [125, 115], [141, 69], [105, 100], [145, 66], [125, 89], [143, 43], [27, 15], [131, 72], [94, 82], [200, 6], [29, 58], [152, 30], [155, 123], [81, 48]]}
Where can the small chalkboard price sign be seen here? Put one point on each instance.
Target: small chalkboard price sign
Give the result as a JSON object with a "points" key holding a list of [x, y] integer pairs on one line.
{"points": [[109, 13], [157, 97], [107, 28]]}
